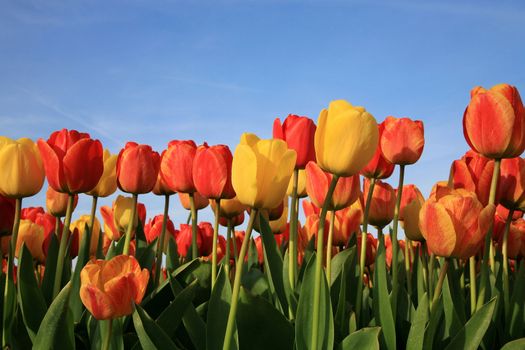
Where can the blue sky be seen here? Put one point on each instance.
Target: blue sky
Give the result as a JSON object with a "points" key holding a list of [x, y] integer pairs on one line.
{"points": [[153, 71]]}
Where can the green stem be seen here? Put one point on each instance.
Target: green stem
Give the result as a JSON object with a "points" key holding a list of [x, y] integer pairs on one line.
{"points": [[437, 292], [131, 225], [228, 242], [193, 212], [9, 310], [431, 275], [63, 246], [94, 202], [235, 250], [319, 264], [362, 255], [329, 248], [57, 226], [160, 242], [504, 248], [424, 253], [107, 340], [395, 243], [407, 266], [214, 244], [228, 336], [292, 244]]}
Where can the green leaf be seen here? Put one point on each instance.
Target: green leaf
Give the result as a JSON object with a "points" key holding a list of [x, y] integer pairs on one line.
{"points": [[518, 344], [261, 326], [49, 274], [170, 319], [275, 261], [383, 309], [452, 321], [433, 324], [83, 256], [172, 256], [416, 336], [366, 338], [470, 336], [218, 311], [517, 305], [151, 336], [291, 298], [304, 322], [32, 302], [56, 330]]}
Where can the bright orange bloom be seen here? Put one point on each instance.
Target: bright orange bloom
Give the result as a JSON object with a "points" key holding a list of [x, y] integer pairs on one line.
{"points": [[347, 222], [346, 191], [403, 140], [473, 172], [137, 168], [494, 122], [378, 167], [109, 289], [56, 202], [382, 205], [116, 218], [516, 232], [411, 203], [176, 166], [73, 161], [299, 134], [200, 201], [212, 171], [32, 235], [153, 229], [454, 223], [206, 232], [511, 186]]}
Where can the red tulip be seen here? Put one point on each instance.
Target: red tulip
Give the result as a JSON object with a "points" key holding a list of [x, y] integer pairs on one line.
{"points": [[511, 186], [212, 171], [299, 134], [371, 249], [310, 208], [153, 229], [183, 239], [7, 215], [494, 122], [56, 202], [176, 166], [388, 248], [206, 232], [346, 191], [402, 140], [73, 161], [514, 240], [473, 172], [200, 201], [382, 205], [378, 167], [137, 168], [236, 221]]}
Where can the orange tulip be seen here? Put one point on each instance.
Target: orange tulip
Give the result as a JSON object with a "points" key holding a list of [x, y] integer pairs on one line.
{"points": [[371, 249], [206, 233], [32, 235], [378, 167], [382, 205], [494, 122], [347, 222], [137, 168], [116, 218], [200, 201], [183, 239], [56, 202], [299, 134], [511, 186], [212, 171], [153, 229], [473, 172], [236, 220], [388, 248], [514, 240], [454, 223], [109, 289], [346, 191], [176, 166], [403, 140], [411, 203], [73, 161]]}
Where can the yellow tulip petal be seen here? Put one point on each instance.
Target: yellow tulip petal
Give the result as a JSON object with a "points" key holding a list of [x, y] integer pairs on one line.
{"points": [[244, 174]]}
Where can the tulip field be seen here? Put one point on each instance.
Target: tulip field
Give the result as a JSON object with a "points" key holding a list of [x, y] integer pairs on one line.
{"points": [[374, 265]]}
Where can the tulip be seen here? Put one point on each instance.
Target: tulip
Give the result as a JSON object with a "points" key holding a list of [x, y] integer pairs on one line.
{"points": [[80, 227], [161, 188], [107, 185], [48, 222], [153, 228], [32, 235], [117, 218], [370, 250], [22, 172], [454, 222], [382, 203], [473, 172], [389, 248], [7, 215], [56, 202], [193, 202], [346, 191], [299, 134], [184, 239], [309, 208], [411, 204], [230, 208], [494, 122], [109, 289], [73, 161], [402, 140], [347, 222], [346, 138], [176, 166], [378, 167], [301, 184], [511, 188], [212, 171], [137, 168]]}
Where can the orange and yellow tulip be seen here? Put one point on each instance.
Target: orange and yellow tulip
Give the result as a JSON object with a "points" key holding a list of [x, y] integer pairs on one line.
{"points": [[473, 172], [107, 185], [56, 202], [403, 140]]}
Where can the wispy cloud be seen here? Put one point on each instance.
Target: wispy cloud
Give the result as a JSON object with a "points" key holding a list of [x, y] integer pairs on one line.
{"points": [[210, 84]]}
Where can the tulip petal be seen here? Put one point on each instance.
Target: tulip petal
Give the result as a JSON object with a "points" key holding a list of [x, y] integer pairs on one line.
{"points": [[53, 167], [97, 302], [437, 228], [83, 165], [244, 174]]}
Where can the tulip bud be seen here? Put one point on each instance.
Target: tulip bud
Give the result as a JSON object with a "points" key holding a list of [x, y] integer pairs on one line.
{"points": [[403, 140], [511, 186], [411, 203], [183, 239], [153, 229], [200, 201], [56, 202], [230, 208], [212, 168], [107, 185], [299, 134], [32, 235], [382, 205], [176, 166], [137, 168], [378, 167], [116, 218]]}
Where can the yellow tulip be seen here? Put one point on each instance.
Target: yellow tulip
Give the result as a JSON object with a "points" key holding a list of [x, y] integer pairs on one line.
{"points": [[230, 208], [301, 185], [122, 208], [22, 171], [261, 171], [107, 185], [281, 224], [80, 225], [346, 138], [33, 236]]}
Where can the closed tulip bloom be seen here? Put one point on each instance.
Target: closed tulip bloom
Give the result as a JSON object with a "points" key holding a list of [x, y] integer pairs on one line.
{"points": [[511, 186], [153, 229], [235, 221], [56, 202], [280, 225], [494, 122], [107, 185], [109, 289], [201, 202], [514, 240], [79, 226], [347, 189], [301, 185], [371, 249], [212, 168], [383, 203], [473, 172], [347, 222], [32, 235], [309, 208], [454, 223], [230, 208], [22, 172], [403, 140], [116, 218], [137, 168], [7, 215], [176, 166], [161, 188], [183, 239], [299, 134], [346, 138], [388, 249], [411, 204], [73, 161], [378, 167], [261, 171]]}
